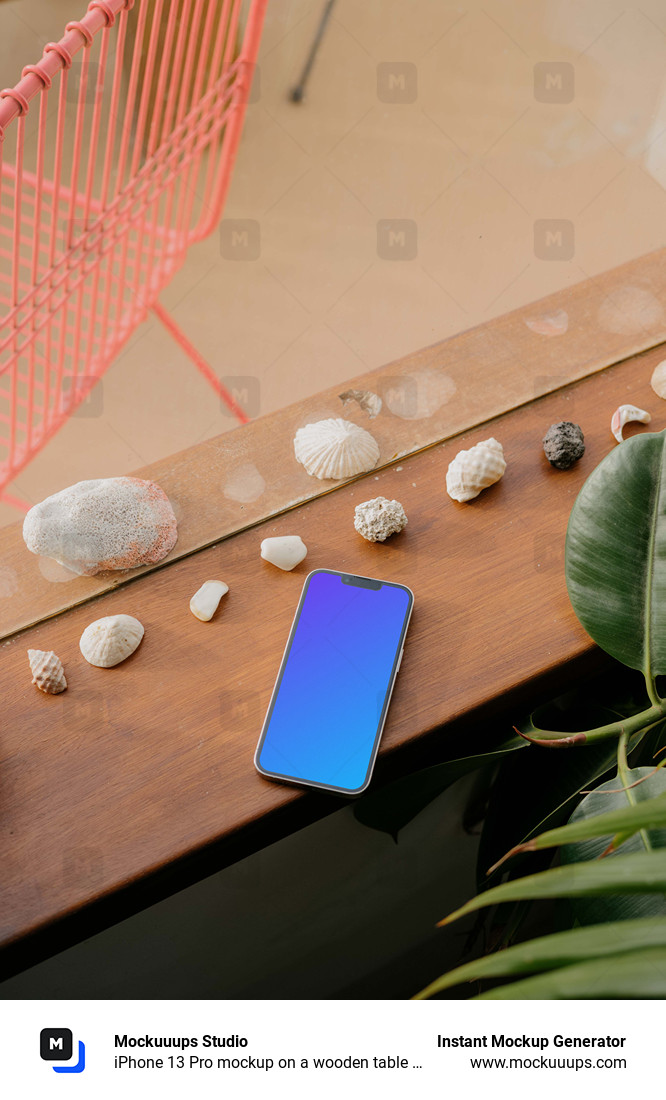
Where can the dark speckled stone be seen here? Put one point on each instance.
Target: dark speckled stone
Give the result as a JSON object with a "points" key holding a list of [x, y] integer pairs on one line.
{"points": [[563, 444]]}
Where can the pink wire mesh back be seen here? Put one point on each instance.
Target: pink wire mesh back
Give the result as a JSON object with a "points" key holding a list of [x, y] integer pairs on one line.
{"points": [[116, 150]]}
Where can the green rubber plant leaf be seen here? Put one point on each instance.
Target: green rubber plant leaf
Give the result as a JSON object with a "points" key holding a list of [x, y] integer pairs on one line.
{"points": [[636, 974], [631, 806], [598, 941], [639, 873], [615, 554]]}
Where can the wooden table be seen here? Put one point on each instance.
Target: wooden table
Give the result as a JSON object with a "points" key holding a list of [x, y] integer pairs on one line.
{"points": [[138, 779]]}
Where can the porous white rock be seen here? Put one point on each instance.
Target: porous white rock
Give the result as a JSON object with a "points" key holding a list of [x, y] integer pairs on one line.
{"points": [[110, 640], [103, 524], [205, 601], [380, 518], [285, 551]]}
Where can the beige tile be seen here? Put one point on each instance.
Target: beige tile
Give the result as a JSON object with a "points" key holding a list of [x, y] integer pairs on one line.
{"points": [[316, 360], [241, 318], [601, 243], [559, 31], [475, 83], [317, 240], [252, 192], [341, 90], [476, 240], [396, 161], [622, 90], [392, 31], [394, 309]]}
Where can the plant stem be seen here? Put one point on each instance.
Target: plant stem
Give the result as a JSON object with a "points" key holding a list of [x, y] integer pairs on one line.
{"points": [[629, 726], [625, 780], [651, 685]]}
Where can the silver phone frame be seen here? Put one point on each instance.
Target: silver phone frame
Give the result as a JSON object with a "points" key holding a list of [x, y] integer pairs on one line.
{"points": [[343, 791]]}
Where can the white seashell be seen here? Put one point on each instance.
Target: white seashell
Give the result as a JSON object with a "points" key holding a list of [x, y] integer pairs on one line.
{"points": [[205, 601], [377, 519], [370, 402], [47, 671], [335, 448], [110, 640], [475, 469], [625, 415], [285, 551], [658, 380]]}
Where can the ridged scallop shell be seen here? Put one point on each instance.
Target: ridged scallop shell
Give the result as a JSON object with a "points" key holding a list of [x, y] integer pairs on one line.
{"points": [[475, 469], [110, 640], [47, 671], [335, 448]]}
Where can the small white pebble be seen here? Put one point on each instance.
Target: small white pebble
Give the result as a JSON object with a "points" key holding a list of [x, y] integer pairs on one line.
{"points": [[285, 551], [398, 469], [205, 601]]}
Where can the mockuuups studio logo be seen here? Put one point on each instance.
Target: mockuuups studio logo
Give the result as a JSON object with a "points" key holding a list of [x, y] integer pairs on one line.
{"points": [[56, 1044]]}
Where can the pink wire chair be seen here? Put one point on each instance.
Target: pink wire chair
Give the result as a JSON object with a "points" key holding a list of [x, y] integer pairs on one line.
{"points": [[102, 193]]}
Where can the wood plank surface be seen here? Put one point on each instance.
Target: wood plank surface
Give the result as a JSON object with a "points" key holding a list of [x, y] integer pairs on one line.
{"points": [[135, 766], [244, 476]]}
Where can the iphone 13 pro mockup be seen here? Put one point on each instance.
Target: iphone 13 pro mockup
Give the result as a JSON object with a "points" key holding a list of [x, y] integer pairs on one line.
{"points": [[331, 696]]}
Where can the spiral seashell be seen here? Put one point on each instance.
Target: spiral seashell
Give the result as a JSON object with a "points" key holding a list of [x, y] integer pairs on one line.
{"points": [[110, 640], [47, 671], [475, 469], [335, 448]]}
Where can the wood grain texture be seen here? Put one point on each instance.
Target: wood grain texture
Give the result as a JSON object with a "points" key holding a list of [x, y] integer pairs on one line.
{"points": [[435, 393], [135, 766]]}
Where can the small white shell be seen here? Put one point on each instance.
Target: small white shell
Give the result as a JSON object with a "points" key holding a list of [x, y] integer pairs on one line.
{"points": [[624, 415], [285, 551], [335, 448], [47, 671], [205, 601], [377, 519], [658, 380], [110, 640], [475, 469]]}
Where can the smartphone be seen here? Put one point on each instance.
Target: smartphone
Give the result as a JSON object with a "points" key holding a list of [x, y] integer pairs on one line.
{"points": [[332, 693]]}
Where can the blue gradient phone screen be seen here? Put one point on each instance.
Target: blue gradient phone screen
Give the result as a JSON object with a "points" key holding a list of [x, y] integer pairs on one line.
{"points": [[328, 707]]}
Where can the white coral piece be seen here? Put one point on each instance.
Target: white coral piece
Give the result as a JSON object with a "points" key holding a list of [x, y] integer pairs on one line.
{"points": [[335, 448], [380, 518], [475, 469]]}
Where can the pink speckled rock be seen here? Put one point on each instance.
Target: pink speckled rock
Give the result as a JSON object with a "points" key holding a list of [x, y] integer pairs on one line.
{"points": [[109, 523]]}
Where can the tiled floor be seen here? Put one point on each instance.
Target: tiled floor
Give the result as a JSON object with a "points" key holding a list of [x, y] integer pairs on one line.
{"points": [[467, 124]]}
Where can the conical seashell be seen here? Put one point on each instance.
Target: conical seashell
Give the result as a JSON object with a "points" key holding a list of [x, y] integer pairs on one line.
{"points": [[335, 448], [205, 601], [108, 641], [475, 469], [285, 551], [47, 671], [624, 415]]}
